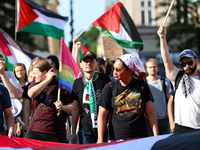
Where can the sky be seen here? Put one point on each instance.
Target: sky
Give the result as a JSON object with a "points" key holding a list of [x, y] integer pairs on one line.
{"points": [[84, 13]]}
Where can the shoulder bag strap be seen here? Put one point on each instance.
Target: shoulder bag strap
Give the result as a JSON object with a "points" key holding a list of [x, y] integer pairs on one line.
{"points": [[164, 88]]}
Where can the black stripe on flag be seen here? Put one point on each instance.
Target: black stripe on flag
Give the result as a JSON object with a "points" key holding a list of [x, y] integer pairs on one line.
{"points": [[9, 40], [45, 11], [180, 141], [129, 26]]}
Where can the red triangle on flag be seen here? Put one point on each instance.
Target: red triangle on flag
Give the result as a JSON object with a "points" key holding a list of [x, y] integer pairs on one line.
{"points": [[25, 19], [4, 47], [86, 97], [110, 20], [84, 49]]}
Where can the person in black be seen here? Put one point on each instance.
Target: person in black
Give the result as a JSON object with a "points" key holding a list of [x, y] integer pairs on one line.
{"points": [[85, 93], [128, 100]]}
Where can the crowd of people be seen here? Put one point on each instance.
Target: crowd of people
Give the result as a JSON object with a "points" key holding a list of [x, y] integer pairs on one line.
{"points": [[108, 103]]}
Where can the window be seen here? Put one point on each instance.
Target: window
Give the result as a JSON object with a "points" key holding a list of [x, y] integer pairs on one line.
{"points": [[149, 16], [149, 3], [143, 18], [142, 3], [147, 12]]}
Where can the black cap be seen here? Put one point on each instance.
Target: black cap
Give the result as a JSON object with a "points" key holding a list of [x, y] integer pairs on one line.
{"points": [[88, 54]]}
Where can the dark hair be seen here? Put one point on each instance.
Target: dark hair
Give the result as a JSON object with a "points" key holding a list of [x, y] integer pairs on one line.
{"points": [[109, 69], [101, 61], [55, 60], [100, 69]]}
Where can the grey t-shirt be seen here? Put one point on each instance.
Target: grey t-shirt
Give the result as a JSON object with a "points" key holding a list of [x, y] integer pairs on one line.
{"points": [[157, 91]]}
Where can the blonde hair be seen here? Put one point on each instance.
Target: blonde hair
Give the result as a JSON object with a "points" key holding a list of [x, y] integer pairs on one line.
{"points": [[151, 60]]}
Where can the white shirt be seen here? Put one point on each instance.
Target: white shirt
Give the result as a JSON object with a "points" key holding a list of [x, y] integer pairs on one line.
{"points": [[187, 110]]}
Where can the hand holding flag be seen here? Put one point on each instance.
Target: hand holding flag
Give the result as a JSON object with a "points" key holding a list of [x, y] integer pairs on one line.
{"points": [[68, 70]]}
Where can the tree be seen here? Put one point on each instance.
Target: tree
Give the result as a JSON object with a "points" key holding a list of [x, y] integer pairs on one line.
{"points": [[184, 24], [7, 23], [89, 39]]}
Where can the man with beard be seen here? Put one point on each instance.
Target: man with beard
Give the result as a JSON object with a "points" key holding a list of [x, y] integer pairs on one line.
{"points": [[186, 104]]}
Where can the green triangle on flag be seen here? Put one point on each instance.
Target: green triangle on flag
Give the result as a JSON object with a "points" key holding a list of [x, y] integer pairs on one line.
{"points": [[36, 19]]}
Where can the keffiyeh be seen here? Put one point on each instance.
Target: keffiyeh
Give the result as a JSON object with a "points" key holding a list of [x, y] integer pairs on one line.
{"points": [[186, 84], [89, 100]]}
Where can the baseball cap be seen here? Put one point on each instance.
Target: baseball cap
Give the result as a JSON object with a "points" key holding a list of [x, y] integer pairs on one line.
{"points": [[88, 54], [187, 53]]}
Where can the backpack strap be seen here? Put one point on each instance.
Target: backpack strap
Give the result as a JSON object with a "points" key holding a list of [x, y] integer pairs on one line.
{"points": [[164, 87], [177, 81]]}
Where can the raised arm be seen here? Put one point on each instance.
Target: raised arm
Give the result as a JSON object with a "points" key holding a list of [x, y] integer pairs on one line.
{"points": [[169, 66], [75, 49], [37, 89]]}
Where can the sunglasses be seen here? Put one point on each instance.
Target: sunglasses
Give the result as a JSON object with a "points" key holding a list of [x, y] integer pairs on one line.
{"points": [[117, 69], [87, 61], [190, 62]]}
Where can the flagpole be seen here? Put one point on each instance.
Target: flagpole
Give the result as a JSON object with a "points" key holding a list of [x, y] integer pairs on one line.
{"points": [[58, 99], [84, 30], [168, 13], [15, 20]]}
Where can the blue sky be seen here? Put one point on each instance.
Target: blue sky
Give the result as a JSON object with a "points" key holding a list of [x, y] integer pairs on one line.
{"points": [[84, 13]]}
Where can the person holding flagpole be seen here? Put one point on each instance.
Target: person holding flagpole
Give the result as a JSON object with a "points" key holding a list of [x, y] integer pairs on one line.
{"points": [[45, 124], [186, 102], [85, 94]]}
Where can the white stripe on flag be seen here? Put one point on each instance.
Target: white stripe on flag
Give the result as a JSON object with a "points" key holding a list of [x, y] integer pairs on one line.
{"points": [[122, 35], [134, 52], [60, 24], [139, 144], [18, 57]]}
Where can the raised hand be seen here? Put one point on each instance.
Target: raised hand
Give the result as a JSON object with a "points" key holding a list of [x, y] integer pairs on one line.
{"points": [[162, 32]]}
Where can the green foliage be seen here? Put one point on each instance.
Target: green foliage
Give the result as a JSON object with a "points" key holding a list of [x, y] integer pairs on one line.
{"points": [[184, 24], [7, 22], [89, 39]]}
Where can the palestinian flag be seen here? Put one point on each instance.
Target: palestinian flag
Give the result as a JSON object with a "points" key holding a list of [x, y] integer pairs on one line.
{"points": [[117, 24], [82, 50], [36, 19], [188, 140], [12, 52]]}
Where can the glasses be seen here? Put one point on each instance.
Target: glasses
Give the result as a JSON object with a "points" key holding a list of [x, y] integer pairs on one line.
{"points": [[190, 62], [87, 61], [117, 69]]}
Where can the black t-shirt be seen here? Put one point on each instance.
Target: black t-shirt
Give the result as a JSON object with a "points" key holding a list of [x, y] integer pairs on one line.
{"points": [[126, 106], [77, 94]]}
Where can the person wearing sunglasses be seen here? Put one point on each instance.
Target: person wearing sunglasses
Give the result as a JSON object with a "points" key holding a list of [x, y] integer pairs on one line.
{"points": [[186, 102], [126, 102]]}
